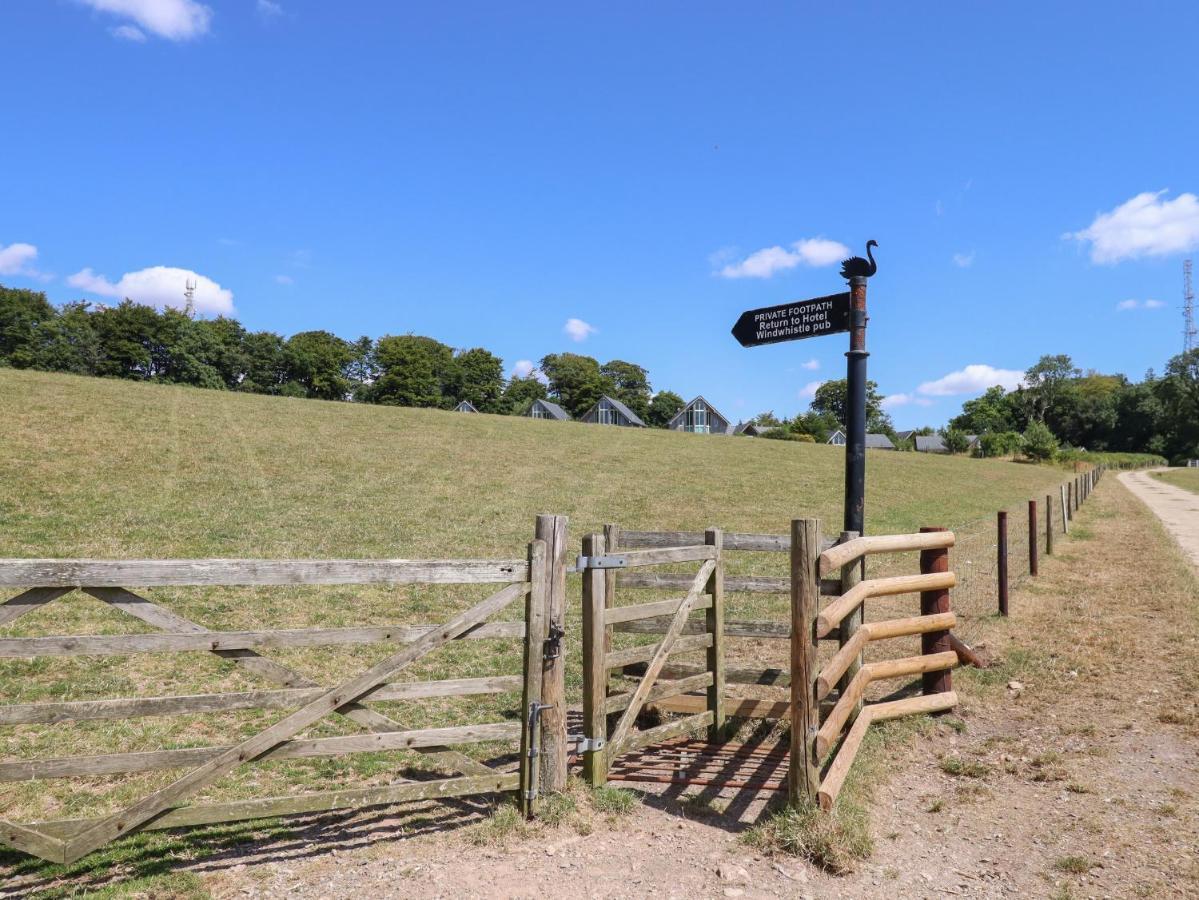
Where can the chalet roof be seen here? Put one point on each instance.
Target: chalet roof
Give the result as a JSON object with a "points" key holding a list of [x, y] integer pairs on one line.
{"points": [[692, 403], [904, 435], [930, 443], [878, 442], [620, 408], [465, 406], [555, 411]]}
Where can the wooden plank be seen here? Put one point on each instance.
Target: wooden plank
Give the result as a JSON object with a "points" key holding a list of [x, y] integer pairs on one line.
{"points": [[128, 820], [750, 629], [853, 597], [553, 530], [739, 584], [535, 620], [160, 617], [190, 704], [912, 706], [733, 674], [616, 615], [27, 601], [840, 662], [851, 577], [34, 840], [211, 641], [638, 739], [596, 663], [714, 625], [664, 647], [911, 665], [803, 777], [326, 801], [842, 554], [617, 659], [661, 690], [733, 540], [665, 555], [735, 707], [847, 706], [834, 778], [180, 572], [150, 760]]}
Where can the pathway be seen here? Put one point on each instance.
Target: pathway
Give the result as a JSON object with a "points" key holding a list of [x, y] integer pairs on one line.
{"points": [[1177, 508]]}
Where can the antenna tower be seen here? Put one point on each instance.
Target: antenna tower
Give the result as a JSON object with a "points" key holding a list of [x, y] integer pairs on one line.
{"points": [[1188, 309], [189, 296]]}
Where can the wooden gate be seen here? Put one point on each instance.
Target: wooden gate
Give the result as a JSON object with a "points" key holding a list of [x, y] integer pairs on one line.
{"points": [[609, 719], [110, 581]]}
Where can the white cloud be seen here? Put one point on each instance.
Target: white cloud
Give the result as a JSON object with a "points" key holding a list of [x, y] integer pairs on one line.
{"points": [[17, 259], [578, 330], [770, 260], [1146, 225], [972, 380], [808, 391], [893, 400], [158, 286], [1125, 305], [175, 20], [128, 33], [526, 367], [284, 279], [811, 365], [963, 260], [268, 9]]}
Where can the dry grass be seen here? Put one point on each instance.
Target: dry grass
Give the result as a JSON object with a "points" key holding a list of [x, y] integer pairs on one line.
{"points": [[1183, 478]]}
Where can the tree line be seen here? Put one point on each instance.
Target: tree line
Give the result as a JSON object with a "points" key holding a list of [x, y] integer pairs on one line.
{"points": [[138, 342]]}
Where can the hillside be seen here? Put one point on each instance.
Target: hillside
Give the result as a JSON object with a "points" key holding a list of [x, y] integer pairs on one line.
{"points": [[92, 467]]}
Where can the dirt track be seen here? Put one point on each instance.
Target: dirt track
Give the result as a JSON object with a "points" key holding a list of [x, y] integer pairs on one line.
{"points": [[1177, 508]]}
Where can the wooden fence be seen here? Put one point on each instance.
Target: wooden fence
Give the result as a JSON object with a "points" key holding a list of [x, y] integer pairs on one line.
{"points": [[116, 582]]}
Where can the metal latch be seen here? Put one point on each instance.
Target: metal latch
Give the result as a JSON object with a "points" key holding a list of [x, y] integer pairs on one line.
{"points": [[553, 643], [589, 745], [601, 562], [535, 711]]}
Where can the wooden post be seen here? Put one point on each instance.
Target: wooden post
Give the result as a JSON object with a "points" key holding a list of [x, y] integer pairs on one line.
{"points": [[611, 545], [595, 664], [850, 576], [931, 603], [1069, 501], [803, 777], [1002, 563], [1033, 538], [1049, 524], [535, 627], [554, 530], [1065, 510], [714, 623]]}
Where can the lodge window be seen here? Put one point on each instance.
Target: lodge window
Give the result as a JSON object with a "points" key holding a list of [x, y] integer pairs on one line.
{"points": [[697, 419]]}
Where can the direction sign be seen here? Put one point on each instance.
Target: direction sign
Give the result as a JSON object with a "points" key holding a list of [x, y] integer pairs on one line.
{"points": [[794, 321]]}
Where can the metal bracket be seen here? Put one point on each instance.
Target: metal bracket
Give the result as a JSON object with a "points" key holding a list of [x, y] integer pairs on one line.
{"points": [[589, 745], [553, 642], [601, 562]]}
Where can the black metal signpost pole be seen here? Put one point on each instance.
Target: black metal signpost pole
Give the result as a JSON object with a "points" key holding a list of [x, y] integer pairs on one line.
{"points": [[855, 425]]}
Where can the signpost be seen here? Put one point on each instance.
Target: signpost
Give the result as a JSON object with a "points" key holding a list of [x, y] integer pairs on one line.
{"points": [[834, 314]]}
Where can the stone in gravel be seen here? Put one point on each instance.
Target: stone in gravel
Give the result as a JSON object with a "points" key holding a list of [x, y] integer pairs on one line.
{"points": [[730, 872]]}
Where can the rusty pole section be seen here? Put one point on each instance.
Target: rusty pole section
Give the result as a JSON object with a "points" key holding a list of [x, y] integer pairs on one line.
{"points": [[1002, 563], [1049, 524], [932, 602], [855, 377], [1033, 540]]}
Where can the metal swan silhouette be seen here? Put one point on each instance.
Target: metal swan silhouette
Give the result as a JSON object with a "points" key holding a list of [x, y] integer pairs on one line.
{"points": [[855, 266]]}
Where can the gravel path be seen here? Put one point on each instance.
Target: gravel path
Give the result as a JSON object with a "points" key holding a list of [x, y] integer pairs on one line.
{"points": [[1177, 508]]}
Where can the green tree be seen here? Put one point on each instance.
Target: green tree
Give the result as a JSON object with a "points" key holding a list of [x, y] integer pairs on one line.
{"points": [[24, 318], [956, 440], [128, 336], [575, 381], [70, 343], [992, 412], [477, 376], [1039, 441], [318, 361], [831, 398], [664, 407], [413, 371], [363, 368], [521, 392], [1178, 393], [266, 365], [628, 383], [1045, 382]]}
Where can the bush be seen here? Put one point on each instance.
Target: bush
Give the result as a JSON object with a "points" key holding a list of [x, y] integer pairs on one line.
{"points": [[1000, 443], [956, 441], [1039, 442]]}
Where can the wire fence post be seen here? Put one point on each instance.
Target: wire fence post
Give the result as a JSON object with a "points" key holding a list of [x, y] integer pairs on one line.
{"points": [[1033, 545], [1049, 524], [931, 603], [1002, 560]]}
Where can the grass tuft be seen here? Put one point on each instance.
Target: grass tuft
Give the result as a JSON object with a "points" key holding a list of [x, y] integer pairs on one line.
{"points": [[964, 768], [1074, 865], [834, 841]]}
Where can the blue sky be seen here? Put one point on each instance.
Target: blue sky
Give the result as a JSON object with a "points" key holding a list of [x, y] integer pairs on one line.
{"points": [[484, 175]]}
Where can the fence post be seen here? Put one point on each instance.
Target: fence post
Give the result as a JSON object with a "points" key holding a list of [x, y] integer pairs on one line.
{"points": [[1034, 544], [535, 604], [595, 664], [1065, 510], [714, 623], [1002, 563], [1049, 524], [803, 781], [554, 530], [611, 545], [931, 603], [1069, 501], [850, 576]]}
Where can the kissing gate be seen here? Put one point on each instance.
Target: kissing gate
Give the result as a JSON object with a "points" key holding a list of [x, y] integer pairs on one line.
{"points": [[818, 635]]}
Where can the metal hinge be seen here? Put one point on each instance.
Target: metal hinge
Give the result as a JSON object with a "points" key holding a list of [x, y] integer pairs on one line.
{"points": [[553, 642], [589, 745], [601, 562]]}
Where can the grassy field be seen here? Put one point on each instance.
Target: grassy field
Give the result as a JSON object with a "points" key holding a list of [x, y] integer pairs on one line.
{"points": [[1183, 478], [97, 468]]}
